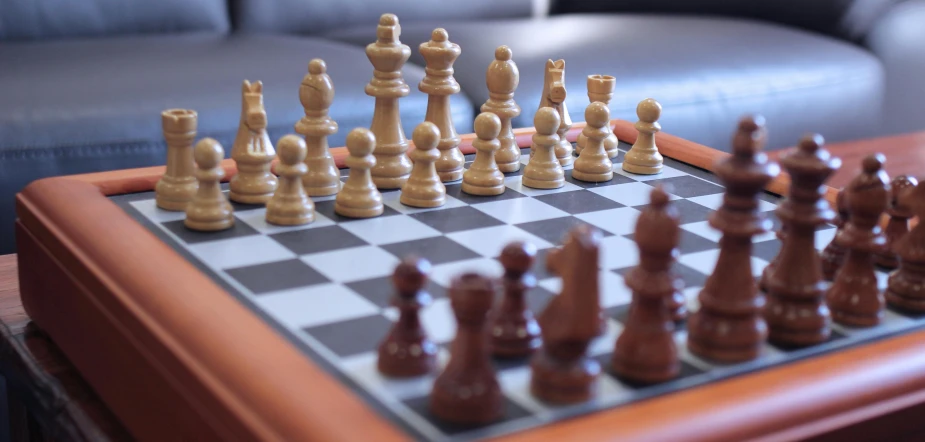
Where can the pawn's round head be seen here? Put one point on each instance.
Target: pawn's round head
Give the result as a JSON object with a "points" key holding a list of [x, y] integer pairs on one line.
{"points": [[411, 274], [439, 35], [291, 149], [361, 142], [658, 197], [208, 153], [426, 136], [517, 257], [597, 114], [503, 53], [546, 121], [811, 143], [649, 110], [388, 20], [487, 126], [317, 66], [873, 163], [902, 182]]}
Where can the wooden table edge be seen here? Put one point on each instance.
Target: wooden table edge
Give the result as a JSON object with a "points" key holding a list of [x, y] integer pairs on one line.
{"points": [[80, 244]]}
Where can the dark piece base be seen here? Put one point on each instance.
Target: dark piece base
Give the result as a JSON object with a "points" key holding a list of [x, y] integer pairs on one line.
{"points": [[560, 384], [513, 346], [399, 361], [914, 305], [644, 374], [798, 338], [857, 320], [469, 411]]}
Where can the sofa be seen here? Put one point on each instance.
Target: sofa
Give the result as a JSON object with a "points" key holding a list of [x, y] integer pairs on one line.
{"points": [[84, 82]]}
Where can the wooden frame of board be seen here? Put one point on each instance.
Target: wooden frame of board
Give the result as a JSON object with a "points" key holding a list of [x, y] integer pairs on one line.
{"points": [[177, 358]]}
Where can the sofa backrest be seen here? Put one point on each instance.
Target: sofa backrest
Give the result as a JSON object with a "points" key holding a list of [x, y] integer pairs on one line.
{"points": [[321, 16], [24, 20]]}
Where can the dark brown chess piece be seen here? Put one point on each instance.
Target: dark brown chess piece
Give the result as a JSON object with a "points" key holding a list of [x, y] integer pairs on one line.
{"points": [[646, 352], [514, 331], [853, 297], [407, 351], [898, 225], [562, 373], [553, 263], [766, 273], [467, 392], [834, 255], [906, 287], [795, 311], [729, 327]]}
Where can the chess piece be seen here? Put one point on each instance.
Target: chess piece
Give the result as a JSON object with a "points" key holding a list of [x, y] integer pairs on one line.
{"points": [[795, 312], [388, 55], [600, 89], [906, 286], [483, 177], [178, 185], [853, 297], [316, 94], [514, 330], [555, 262], [646, 352], [502, 79], [359, 197], [290, 205], [252, 150], [561, 372], [424, 188], [766, 273], [898, 225], [593, 164], [643, 158], [554, 96], [407, 351], [729, 327], [544, 170], [438, 83], [209, 210], [833, 255], [467, 391]]}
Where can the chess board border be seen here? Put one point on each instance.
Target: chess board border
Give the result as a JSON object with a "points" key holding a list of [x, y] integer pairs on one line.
{"points": [[184, 336]]}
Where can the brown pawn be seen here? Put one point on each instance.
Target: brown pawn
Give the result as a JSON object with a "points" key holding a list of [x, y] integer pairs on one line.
{"points": [[407, 351], [316, 93], [553, 96], [728, 327], [290, 205], [854, 298], [645, 351], [795, 311], [833, 255], [467, 391], [438, 83], [514, 331], [898, 226], [359, 197], [593, 164], [424, 188], [906, 286], [543, 171], [502, 79], [561, 371], [209, 210], [483, 177]]}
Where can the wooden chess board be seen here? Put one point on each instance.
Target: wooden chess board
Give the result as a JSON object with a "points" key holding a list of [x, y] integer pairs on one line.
{"points": [[271, 332]]}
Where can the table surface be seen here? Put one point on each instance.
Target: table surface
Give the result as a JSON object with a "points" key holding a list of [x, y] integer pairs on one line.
{"points": [[54, 391]]}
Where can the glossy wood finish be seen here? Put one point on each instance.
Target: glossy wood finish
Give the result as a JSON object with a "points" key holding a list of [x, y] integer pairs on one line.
{"points": [[205, 358]]}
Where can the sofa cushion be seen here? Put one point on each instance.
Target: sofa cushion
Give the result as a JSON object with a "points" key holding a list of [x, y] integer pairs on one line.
{"points": [[316, 17], [82, 106], [706, 72], [52, 19]]}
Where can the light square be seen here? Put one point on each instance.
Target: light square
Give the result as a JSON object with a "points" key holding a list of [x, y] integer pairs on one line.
{"points": [[619, 221], [629, 194], [704, 229], [390, 229], [715, 200], [315, 305], [519, 210], [618, 252], [258, 220], [489, 241], [149, 209], [353, 264], [240, 252]]}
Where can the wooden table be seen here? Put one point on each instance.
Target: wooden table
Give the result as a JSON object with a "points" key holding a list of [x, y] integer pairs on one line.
{"points": [[49, 399]]}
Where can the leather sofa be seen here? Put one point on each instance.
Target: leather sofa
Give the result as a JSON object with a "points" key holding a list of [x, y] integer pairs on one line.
{"points": [[83, 83]]}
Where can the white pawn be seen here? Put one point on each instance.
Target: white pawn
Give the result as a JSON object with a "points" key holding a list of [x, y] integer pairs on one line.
{"points": [[593, 163], [543, 171], [643, 158], [290, 204], [424, 187], [359, 197], [483, 177], [209, 210]]}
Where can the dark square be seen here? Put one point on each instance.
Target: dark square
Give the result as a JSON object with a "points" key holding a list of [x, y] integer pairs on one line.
{"points": [[437, 250], [237, 230], [580, 201], [689, 211], [555, 229], [320, 239], [766, 250], [687, 370], [692, 170], [353, 336], [617, 179], [279, 275], [455, 191], [456, 219], [688, 186], [326, 208], [904, 312], [380, 290], [618, 312], [421, 405], [833, 336]]}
